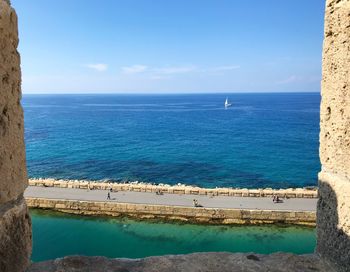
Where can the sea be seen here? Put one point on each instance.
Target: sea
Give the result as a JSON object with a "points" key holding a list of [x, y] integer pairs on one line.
{"points": [[264, 140]]}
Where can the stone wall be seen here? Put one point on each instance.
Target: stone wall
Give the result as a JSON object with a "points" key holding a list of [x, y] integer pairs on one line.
{"points": [[15, 224], [178, 213], [176, 189], [197, 262], [333, 213]]}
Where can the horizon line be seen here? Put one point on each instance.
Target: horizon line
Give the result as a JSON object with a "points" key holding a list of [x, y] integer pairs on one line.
{"points": [[164, 93]]}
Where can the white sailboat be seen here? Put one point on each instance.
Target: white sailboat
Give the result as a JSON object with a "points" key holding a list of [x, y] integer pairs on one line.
{"points": [[227, 104]]}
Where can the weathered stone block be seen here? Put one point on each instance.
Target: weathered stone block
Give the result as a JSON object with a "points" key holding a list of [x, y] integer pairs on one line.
{"points": [[15, 236], [333, 211], [335, 106], [13, 175]]}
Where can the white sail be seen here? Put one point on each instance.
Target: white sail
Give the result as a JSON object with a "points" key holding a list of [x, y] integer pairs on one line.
{"points": [[227, 104]]}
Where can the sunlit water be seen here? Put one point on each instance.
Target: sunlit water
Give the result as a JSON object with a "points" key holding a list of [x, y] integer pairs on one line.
{"points": [[57, 235], [263, 140]]}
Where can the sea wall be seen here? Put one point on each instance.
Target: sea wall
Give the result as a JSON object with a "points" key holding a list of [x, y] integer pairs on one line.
{"points": [[333, 211], [181, 189], [178, 213], [196, 262], [15, 223]]}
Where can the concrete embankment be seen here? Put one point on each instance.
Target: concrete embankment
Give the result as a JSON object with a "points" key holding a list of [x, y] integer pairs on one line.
{"points": [[216, 209], [179, 213]]}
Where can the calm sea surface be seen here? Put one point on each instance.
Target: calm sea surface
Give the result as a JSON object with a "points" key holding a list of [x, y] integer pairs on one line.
{"points": [[56, 235], [263, 140]]}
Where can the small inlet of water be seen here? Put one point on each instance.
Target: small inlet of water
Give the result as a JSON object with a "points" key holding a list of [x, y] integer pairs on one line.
{"points": [[56, 235]]}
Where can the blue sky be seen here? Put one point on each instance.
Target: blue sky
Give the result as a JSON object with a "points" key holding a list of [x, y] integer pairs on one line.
{"points": [[167, 46]]}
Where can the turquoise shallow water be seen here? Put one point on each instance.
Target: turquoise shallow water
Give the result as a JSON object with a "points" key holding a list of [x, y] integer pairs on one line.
{"points": [[263, 140], [56, 235]]}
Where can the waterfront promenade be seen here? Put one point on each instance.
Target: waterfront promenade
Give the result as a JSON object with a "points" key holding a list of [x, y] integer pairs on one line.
{"points": [[219, 202]]}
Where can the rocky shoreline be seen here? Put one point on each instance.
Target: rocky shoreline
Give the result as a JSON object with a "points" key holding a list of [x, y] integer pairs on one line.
{"points": [[180, 189]]}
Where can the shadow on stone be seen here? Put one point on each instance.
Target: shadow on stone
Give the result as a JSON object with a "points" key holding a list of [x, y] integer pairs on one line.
{"points": [[253, 257], [333, 243]]}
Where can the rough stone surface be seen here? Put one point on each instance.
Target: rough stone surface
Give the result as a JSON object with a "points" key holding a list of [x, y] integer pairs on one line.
{"points": [[333, 213], [333, 220], [15, 236], [15, 224], [13, 176], [198, 262], [335, 106]]}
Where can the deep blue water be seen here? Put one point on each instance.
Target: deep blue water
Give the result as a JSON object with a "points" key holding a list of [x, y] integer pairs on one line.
{"points": [[263, 140]]}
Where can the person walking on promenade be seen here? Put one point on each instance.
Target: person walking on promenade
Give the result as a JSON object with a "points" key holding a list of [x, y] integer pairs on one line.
{"points": [[108, 196]]}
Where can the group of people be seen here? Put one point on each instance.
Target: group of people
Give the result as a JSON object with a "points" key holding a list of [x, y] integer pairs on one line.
{"points": [[158, 192], [275, 198]]}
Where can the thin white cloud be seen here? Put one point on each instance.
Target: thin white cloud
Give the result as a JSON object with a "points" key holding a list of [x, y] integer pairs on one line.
{"points": [[167, 72], [226, 68], [288, 80], [160, 77], [299, 79], [100, 67], [134, 69], [175, 70]]}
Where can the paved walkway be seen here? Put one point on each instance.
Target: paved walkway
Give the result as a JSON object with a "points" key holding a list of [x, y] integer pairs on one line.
{"points": [[258, 203]]}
